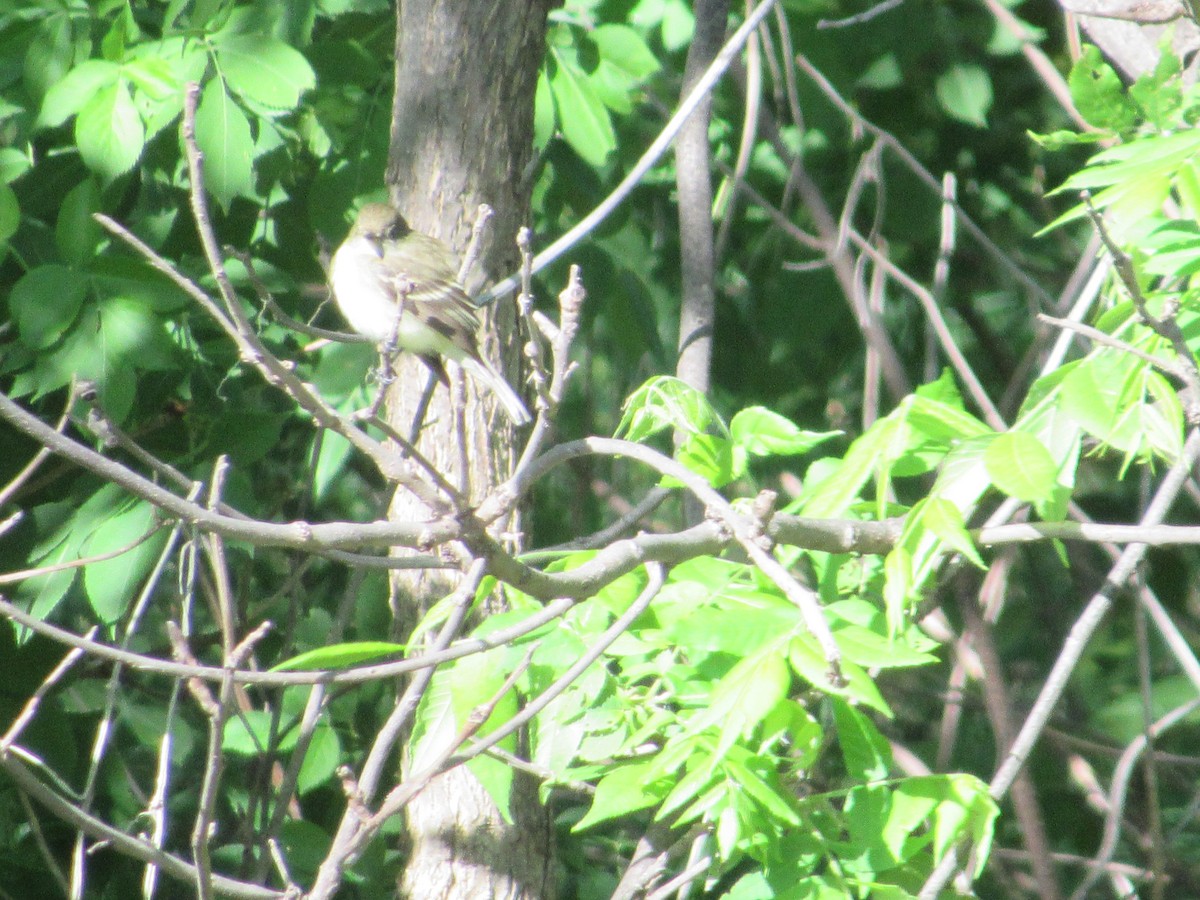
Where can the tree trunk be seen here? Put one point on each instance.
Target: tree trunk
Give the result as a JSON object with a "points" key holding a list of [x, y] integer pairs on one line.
{"points": [[462, 126]]}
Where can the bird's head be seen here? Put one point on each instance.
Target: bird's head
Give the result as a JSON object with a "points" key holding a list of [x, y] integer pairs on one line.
{"points": [[379, 221]]}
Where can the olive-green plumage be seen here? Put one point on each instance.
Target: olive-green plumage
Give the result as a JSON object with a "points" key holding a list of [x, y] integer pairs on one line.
{"points": [[383, 262]]}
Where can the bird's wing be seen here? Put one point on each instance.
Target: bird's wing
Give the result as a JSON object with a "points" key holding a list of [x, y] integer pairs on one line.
{"points": [[449, 312], [441, 305], [424, 274]]}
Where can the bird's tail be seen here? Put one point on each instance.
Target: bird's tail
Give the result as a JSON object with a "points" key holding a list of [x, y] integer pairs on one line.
{"points": [[483, 372]]}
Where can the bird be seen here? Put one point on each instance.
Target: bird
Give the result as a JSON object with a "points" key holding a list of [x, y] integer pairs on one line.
{"points": [[383, 262]]}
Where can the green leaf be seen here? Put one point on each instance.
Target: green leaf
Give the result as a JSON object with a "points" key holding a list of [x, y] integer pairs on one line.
{"points": [[624, 48], [582, 116], [133, 337], [620, 793], [331, 462], [471, 683], [109, 132], [10, 214], [1021, 466], [757, 779], [133, 279], [871, 650], [248, 733], [41, 595], [154, 77], [810, 664], [543, 111], [965, 93], [340, 656], [1098, 94], [123, 32], [13, 164], [112, 584], [696, 782], [881, 75], [45, 303], [865, 752], [715, 459], [945, 520], [613, 87], [673, 17], [322, 759], [765, 433], [76, 232], [61, 40], [264, 70], [1057, 140], [1159, 93], [744, 696], [71, 94], [223, 135], [882, 820], [1122, 402], [897, 585], [664, 402]]}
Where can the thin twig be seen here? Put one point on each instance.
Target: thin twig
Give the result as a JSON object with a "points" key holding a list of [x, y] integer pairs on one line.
{"points": [[483, 215], [29, 710], [1073, 648], [280, 375], [1166, 366], [934, 315], [354, 819], [570, 307], [17, 769], [865, 16], [39, 838], [859, 123], [650, 158], [10, 490], [1120, 787]]}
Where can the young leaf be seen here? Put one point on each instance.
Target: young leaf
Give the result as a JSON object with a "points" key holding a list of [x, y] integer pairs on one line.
{"points": [[543, 111], [744, 696], [72, 93], [1021, 466], [582, 116], [264, 70], [76, 232], [109, 131], [620, 793], [340, 656], [715, 459], [865, 752], [1098, 94], [223, 134], [45, 303], [765, 433], [662, 403], [113, 583], [965, 93]]}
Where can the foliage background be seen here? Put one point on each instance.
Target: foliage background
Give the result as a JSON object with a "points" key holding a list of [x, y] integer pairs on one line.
{"points": [[293, 121]]}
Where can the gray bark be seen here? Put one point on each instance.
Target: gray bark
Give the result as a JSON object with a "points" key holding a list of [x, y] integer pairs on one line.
{"points": [[462, 126]]}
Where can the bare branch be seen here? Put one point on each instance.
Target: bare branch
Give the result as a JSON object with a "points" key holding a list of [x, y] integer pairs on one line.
{"points": [[1073, 648], [120, 840], [650, 158]]}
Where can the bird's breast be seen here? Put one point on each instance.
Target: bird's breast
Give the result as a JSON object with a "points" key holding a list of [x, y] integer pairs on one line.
{"points": [[361, 290]]}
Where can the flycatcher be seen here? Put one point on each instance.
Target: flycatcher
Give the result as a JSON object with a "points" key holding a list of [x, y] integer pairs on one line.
{"points": [[382, 263]]}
